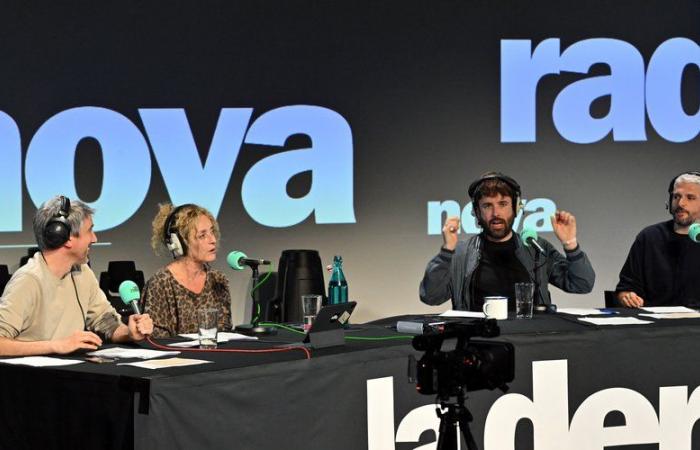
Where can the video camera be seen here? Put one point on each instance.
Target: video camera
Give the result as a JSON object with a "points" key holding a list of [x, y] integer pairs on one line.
{"points": [[472, 365]]}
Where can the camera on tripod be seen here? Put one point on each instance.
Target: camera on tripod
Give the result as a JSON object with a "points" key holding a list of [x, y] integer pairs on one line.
{"points": [[472, 365]]}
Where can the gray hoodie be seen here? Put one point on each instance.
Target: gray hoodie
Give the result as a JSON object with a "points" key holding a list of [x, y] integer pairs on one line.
{"points": [[449, 274]]}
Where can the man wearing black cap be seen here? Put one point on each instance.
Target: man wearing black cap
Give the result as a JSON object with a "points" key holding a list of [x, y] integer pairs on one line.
{"points": [[662, 266], [491, 262]]}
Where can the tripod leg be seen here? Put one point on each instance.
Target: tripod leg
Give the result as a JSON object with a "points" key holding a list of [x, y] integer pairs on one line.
{"points": [[465, 417], [447, 435]]}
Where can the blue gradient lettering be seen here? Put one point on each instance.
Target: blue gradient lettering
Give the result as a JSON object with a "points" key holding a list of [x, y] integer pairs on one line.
{"points": [[624, 85], [438, 212], [330, 159], [10, 175], [663, 90], [539, 212], [49, 165], [178, 159], [534, 214], [521, 71], [632, 92]]}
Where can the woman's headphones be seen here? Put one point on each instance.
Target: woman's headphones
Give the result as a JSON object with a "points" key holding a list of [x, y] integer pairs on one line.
{"points": [[57, 230], [172, 238], [476, 185]]}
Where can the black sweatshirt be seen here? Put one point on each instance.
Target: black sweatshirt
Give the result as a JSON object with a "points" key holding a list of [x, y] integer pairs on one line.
{"points": [[663, 267]]}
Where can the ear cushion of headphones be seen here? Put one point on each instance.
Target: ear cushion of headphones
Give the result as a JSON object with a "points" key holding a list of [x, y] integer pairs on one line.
{"points": [[171, 236], [175, 245], [56, 233]]}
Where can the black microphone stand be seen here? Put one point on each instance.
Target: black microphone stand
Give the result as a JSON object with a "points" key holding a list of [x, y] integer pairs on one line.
{"points": [[537, 280], [253, 329]]}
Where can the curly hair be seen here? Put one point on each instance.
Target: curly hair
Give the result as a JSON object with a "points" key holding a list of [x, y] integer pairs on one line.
{"points": [[185, 224]]}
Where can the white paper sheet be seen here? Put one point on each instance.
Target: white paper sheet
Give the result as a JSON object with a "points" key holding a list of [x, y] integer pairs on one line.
{"points": [[125, 353], [614, 320], [668, 309], [41, 361], [681, 315], [164, 363], [455, 313]]}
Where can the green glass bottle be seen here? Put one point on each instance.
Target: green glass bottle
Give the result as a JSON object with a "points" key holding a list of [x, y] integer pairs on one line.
{"points": [[338, 285]]}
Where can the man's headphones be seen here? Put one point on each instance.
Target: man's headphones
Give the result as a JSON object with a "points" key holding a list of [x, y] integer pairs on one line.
{"points": [[672, 184], [57, 230], [172, 238], [476, 185]]}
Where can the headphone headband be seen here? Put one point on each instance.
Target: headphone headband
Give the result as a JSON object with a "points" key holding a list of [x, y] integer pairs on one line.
{"points": [[475, 185]]}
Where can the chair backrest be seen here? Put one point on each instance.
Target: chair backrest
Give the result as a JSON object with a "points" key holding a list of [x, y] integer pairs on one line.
{"points": [[267, 296], [4, 277], [117, 272], [30, 253]]}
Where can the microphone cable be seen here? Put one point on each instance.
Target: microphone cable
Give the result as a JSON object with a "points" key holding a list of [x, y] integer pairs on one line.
{"points": [[77, 298], [256, 313], [306, 351]]}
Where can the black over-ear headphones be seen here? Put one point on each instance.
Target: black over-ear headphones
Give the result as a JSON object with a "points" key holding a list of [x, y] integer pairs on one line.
{"points": [[474, 188], [57, 230], [172, 238], [671, 185]]}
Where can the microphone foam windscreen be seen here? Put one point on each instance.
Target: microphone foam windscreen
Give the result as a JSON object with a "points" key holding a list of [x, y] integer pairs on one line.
{"points": [[129, 291], [694, 232], [233, 258], [526, 234]]}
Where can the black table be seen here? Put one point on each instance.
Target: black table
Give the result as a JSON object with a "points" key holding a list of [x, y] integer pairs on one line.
{"points": [[569, 376]]}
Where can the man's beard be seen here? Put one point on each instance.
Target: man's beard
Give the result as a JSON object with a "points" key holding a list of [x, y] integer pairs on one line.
{"points": [[497, 234], [685, 222]]}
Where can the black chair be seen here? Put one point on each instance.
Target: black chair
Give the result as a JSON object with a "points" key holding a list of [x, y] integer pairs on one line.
{"points": [[30, 253], [117, 272], [611, 299], [4, 277]]}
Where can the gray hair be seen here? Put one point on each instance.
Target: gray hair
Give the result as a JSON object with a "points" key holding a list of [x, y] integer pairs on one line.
{"points": [[686, 178], [79, 211]]}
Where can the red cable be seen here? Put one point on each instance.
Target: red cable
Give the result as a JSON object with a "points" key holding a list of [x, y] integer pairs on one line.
{"points": [[229, 350]]}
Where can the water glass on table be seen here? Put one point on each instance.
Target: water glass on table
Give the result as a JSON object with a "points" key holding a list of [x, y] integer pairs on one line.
{"points": [[208, 320], [524, 300], [310, 304]]}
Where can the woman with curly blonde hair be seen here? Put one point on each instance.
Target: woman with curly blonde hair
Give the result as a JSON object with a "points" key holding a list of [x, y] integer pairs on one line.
{"points": [[175, 293]]}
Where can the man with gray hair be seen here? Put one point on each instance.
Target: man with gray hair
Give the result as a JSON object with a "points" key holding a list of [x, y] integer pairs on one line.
{"points": [[661, 268], [54, 304]]}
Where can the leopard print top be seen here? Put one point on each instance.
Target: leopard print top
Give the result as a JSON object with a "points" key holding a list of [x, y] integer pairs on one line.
{"points": [[173, 308]]}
